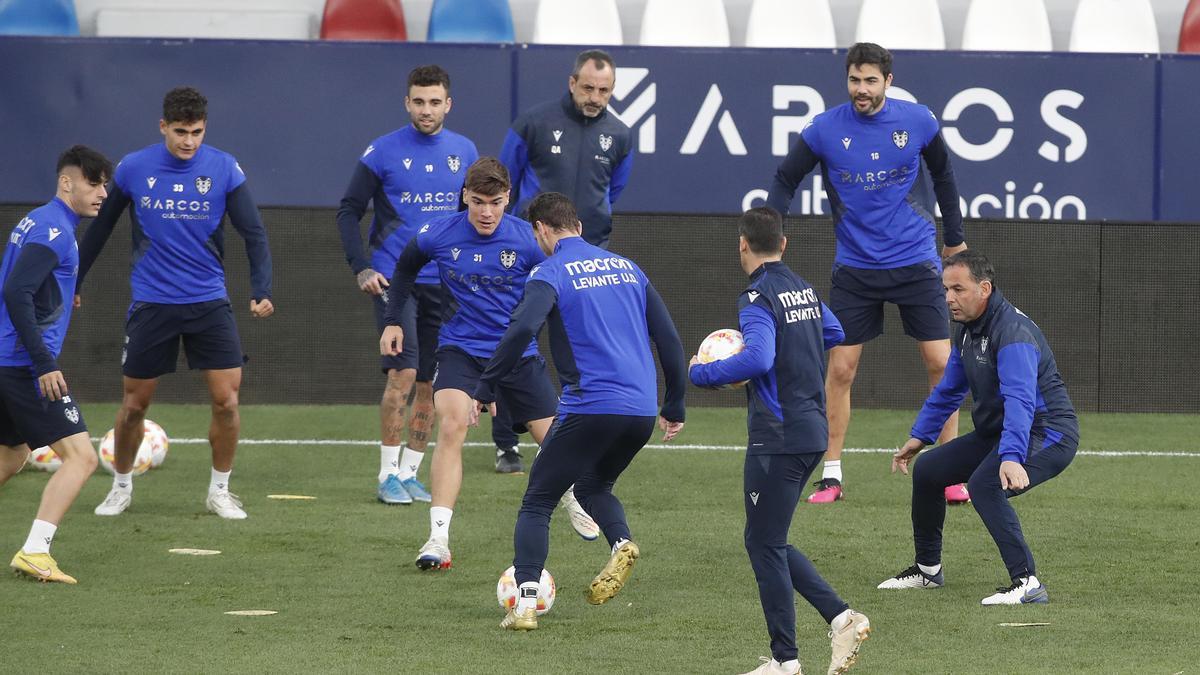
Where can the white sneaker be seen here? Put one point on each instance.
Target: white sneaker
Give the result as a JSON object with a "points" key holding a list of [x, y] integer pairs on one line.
{"points": [[773, 667], [580, 520], [1023, 591], [434, 555], [913, 577], [225, 504], [844, 643], [115, 503]]}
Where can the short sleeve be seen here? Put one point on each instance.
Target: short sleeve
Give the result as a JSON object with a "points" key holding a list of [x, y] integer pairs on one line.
{"points": [[236, 175], [370, 157], [812, 134], [53, 236], [121, 176], [929, 123], [547, 274]]}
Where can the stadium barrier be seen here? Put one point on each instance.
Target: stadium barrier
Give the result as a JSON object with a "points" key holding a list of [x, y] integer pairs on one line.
{"points": [[1113, 299], [1034, 136]]}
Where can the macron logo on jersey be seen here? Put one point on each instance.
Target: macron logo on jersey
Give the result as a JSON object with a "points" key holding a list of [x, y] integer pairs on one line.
{"points": [[151, 181], [54, 232], [369, 150], [424, 229], [753, 295]]}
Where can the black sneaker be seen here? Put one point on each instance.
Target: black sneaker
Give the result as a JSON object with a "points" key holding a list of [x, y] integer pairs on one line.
{"points": [[508, 460]]}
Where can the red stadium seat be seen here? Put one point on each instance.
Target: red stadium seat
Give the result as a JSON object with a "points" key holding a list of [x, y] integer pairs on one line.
{"points": [[363, 20], [1189, 31]]}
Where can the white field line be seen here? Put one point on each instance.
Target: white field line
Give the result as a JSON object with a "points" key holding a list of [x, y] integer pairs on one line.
{"points": [[656, 446]]}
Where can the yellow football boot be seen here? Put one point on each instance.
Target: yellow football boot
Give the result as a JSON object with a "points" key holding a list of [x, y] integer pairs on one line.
{"points": [[614, 575], [40, 566]]}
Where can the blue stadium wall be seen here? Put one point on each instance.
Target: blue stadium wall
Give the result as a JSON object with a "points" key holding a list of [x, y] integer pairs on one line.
{"points": [[1073, 167]]}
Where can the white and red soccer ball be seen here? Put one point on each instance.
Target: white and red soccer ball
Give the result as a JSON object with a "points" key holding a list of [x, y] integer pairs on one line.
{"points": [[151, 453], [719, 345], [507, 591]]}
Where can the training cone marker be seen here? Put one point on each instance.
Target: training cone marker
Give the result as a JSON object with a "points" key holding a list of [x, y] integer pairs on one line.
{"points": [[193, 551]]}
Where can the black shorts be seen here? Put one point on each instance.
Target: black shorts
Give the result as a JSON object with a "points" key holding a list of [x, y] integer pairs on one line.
{"points": [[421, 321], [28, 417], [153, 330], [858, 295], [527, 392]]}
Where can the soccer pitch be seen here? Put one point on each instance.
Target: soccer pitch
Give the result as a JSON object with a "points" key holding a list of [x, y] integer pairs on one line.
{"points": [[1115, 538]]}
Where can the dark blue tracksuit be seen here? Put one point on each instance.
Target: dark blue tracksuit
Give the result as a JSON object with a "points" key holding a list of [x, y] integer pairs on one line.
{"points": [[603, 313], [553, 147], [786, 330], [1022, 413]]}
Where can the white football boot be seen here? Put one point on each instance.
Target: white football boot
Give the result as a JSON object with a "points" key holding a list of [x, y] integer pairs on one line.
{"points": [[115, 503]]}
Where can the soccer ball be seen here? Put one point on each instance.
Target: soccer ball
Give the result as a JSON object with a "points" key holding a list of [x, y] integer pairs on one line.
{"points": [[719, 345], [45, 459], [507, 591], [154, 441]]}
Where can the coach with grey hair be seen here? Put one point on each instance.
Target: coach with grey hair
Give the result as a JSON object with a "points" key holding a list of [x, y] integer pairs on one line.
{"points": [[1025, 432]]}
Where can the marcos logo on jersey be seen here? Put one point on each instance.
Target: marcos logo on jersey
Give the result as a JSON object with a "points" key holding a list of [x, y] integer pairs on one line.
{"points": [[508, 258], [454, 162], [900, 138], [203, 184]]}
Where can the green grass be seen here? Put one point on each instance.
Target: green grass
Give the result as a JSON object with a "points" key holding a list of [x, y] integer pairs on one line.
{"points": [[1115, 538]]}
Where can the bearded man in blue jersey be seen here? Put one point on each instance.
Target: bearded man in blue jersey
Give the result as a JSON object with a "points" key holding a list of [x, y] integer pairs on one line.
{"points": [[484, 257], [603, 312], [36, 408], [411, 175], [178, 192], [877, 155]]}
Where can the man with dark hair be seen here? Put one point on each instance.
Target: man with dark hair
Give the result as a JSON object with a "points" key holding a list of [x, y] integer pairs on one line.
{"points": [[411, 175], [876, 156], [786, 329], [178, 192], [576, 147], [483, 256], [1025, 432], [36, 408], [609, 399]]}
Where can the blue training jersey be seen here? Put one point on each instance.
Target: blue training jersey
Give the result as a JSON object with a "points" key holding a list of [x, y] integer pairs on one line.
{"points": [[485, 276], [176, 211], [605, 340], [52, 226], [418, 177], [786, 329], [874, 168]]}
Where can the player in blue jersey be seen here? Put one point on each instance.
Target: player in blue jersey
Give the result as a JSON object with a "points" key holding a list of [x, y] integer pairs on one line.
{"points": [[1026, 431], [484, 257], [877, 155], [36, 408], [603, 313], [177, 193], [786, 329], [411, 175]]}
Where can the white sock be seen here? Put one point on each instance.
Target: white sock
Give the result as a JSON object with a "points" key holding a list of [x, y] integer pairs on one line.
{"points": [[833, 469], [839, 622], [219, 481], [931, 570], [123, 482], [439, 522], [40, 536], [524, 600], [617, 544], [389, 461], [410, 461], [789, 666]]}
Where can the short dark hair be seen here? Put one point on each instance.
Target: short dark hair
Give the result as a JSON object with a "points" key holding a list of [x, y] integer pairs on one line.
{"points": [[599, 56], [429, 76], [185, 104], [487, 176], [869, 53], [94, 166], [976, 263], [762, 228], [554, 210]]}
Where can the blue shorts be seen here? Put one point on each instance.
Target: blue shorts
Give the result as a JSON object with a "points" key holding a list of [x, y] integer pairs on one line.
{"points": [[421, 321], [28, 417], [858, 295], [153, 331], [526, 390]]}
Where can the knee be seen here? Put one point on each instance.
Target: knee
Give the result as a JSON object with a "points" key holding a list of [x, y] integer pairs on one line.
{"points": [[925, 476], [134, 406], [225, 404], [87, 461], [841, 373], [399, 384]]}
